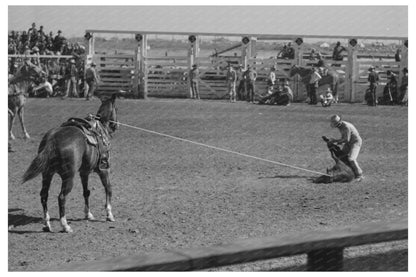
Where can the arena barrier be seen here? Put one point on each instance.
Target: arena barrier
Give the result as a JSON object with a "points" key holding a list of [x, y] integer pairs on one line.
{"points": [[162, 76], [324, 251]]}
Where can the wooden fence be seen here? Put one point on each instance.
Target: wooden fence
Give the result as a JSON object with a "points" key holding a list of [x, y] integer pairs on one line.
{"points": [[324, 250]]}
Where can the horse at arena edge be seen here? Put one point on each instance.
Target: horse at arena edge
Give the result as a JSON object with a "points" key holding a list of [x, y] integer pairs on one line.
{"points": [[331, 78], [19, 85], [65, 150]]}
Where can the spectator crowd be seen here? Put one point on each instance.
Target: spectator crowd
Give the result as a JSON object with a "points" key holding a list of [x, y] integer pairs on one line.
{"points": [[65, 76]]}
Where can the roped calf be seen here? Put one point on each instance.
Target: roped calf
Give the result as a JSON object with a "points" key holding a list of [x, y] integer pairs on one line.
{"points": [[341, 171]]}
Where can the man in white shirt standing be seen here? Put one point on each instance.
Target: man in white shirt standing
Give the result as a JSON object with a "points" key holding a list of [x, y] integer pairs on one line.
{"points": [[351, 140], [313, 85]]}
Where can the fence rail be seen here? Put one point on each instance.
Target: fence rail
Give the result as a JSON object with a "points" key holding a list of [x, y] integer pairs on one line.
{"points": [[324, 250]]}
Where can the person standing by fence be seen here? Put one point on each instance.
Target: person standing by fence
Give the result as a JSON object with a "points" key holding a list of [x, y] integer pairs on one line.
{"points": [[231, 83], [71, 80], [373, 80], [241, 89], [250, 77], [313, 85], [91, 79], [194, 82], [403, 88]]}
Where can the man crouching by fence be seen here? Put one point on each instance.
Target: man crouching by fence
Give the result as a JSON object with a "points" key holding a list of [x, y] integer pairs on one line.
{"points": [[352, 143]]}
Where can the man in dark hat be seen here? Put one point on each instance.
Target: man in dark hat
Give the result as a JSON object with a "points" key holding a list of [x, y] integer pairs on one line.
{"points": [[250, 77], [91, 79], [194, 82], [373, 80], [71, 80]]}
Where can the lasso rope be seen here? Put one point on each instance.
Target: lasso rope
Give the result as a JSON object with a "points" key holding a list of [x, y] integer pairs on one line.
{"points": [[220, 149]]}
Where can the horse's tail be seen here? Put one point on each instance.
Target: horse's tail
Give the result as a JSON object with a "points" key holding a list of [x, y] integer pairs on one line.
{"points": [[40, 163]]}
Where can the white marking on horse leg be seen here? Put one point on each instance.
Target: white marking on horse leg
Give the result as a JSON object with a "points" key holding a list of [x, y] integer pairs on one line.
{"points": [[65, 226], [110, 216], [88, 214], [47, 223]]}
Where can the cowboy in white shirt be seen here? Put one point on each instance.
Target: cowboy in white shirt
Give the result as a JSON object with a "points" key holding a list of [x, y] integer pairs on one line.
{"points": [[313, 85]]}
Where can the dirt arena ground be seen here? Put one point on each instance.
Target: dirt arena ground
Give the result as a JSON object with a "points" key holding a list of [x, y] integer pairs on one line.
{"points": [[170, 194]]}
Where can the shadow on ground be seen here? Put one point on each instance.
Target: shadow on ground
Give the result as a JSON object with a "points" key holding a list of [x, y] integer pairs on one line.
{"points": [[389, 261]]}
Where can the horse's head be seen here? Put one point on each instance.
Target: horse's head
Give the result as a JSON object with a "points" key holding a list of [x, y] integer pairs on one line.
{"points": [[107, 113]]}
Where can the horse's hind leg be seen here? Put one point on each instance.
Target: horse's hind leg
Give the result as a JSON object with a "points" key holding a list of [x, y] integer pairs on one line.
{"points": [[46, 182], [67, 184], [84, 181], [21, 113], [108, 193]]}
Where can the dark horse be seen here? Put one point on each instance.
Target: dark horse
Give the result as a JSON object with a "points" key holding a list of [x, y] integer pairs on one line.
{"points": [[66, 151], [19, 85], [331, 78]]}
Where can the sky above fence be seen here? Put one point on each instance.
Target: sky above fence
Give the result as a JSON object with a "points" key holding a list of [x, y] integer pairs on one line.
{"points": [[297, 20]]}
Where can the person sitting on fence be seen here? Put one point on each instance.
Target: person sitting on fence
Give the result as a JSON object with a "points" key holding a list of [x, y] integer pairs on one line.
{"points": [[338, 49], [327, 98], [283, 52], [231, 82], [372, 91], [403, 88], [194, 82], [290, 51]]}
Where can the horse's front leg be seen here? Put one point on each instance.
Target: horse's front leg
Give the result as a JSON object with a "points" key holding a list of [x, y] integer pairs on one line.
{"points": [[11, 121], [84, 181], [21, 113], [105, 179]]}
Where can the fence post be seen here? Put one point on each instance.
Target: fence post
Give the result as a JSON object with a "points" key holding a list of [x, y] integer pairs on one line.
{"points": [[330, 259], [351, 75], [137, 65], [253, 50], [191, 57], [143, 65], [299, 50], [244, 60]]}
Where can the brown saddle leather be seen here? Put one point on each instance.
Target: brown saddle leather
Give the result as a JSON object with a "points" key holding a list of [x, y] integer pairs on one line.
{"points": [[94, 136], [87, 127]]}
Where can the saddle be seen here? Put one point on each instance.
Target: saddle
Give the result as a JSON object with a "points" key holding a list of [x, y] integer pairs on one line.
{"points": [[95, 136]]}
